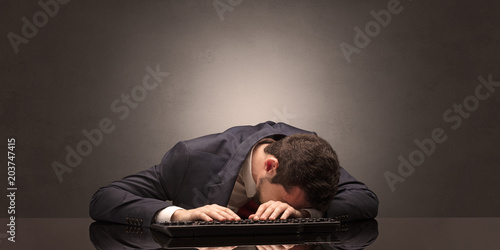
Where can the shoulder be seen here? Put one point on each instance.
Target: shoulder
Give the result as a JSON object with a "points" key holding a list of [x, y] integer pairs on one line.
{"points": [[227, 142]]}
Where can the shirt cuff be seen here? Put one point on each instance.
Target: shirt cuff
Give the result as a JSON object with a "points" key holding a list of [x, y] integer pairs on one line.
{"points": [[314, 213], [165, 214]]}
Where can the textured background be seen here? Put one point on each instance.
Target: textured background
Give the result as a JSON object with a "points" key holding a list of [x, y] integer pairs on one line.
{"points": [[257, 61]]}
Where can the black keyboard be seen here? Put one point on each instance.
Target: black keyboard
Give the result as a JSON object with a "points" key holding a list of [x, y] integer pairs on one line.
{"points": [[247, 227]]}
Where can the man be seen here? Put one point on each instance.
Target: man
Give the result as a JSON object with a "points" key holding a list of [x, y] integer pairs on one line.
{"points": [[289, 172]]}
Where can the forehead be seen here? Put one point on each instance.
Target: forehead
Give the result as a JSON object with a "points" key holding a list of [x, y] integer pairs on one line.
{"points": [[296, 197]]}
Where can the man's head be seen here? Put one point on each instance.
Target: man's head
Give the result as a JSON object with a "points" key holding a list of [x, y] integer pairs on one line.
{"points": [[306, 167]]}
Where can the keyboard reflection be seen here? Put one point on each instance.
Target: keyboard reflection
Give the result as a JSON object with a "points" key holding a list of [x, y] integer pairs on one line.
{"points": [[352, 235]]}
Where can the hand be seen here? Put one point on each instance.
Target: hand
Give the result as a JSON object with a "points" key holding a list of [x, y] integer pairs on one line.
{"points": [[206, 213], [275, 247], [272, 209]]}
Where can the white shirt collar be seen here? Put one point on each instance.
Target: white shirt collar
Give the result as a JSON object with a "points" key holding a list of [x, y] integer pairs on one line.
{"points": [[245, 186], [246, 171]]}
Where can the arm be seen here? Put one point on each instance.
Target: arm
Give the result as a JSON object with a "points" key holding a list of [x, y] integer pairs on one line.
{"points": [[137, 198], [354, 201]]}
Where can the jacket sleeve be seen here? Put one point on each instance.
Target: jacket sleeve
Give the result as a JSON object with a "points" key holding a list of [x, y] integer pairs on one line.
{"points": [[136, 199], [353, 201]]}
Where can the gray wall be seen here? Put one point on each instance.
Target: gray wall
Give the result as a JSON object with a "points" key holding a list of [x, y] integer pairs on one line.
{"points": [[414, 77]]}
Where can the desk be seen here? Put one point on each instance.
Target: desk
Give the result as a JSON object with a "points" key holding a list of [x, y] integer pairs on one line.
{"points": [[383, 233]]}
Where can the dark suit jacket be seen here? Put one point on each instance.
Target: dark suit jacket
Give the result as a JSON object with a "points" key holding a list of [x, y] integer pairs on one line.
{"points": [[203, 171]]}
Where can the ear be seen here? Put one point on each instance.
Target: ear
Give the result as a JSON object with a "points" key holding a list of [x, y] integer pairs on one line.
{"points": [[271, 164]]}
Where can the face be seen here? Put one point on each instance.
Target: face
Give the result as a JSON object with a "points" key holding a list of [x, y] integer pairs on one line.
{"points": [[267, 191]]}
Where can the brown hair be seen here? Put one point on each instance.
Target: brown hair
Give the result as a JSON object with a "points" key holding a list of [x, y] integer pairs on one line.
{"points": [[308, 162]]}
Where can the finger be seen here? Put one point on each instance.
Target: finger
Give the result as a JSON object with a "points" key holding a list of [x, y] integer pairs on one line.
{"points": [[276, 247], [278, 210], [228, 214], [202, 216], [220, 213], [207, 213], [260, 210], [232, 214], [265, 210], [289, 212], [264, 247], [216, 215], [271, 210]]}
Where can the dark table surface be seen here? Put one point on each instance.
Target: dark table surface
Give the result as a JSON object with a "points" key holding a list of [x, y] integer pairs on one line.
{"points": [[382, 233]]}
